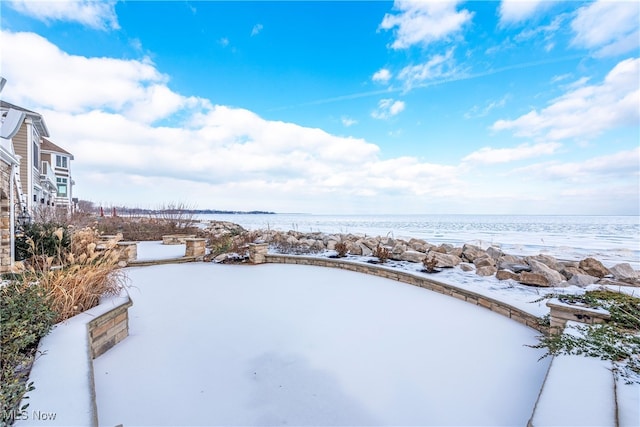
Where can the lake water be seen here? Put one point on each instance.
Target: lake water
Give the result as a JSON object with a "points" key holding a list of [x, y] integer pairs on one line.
{"points": [[611, 239]]}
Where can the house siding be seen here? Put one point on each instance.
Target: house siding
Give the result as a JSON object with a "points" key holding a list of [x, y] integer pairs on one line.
{"points": [[20, 147]]}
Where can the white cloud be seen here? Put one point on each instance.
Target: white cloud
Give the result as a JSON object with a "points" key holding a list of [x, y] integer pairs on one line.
{"points": [[347, 121], [100, 15], [208, 153], [224, 42], [610, 27], [381, 76], [488, 155], [256, 29], [424, 22], [623, 164], [585, 111], [437, 67], [516, 11], [387, 108], [134, 87]]}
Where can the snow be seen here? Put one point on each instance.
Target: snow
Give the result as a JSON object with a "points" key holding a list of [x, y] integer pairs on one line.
{"points": [[148, 251], [290, 344], [65, 353]]}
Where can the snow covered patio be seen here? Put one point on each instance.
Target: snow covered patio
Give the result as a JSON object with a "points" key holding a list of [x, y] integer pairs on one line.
{"points": [[274, 344]]}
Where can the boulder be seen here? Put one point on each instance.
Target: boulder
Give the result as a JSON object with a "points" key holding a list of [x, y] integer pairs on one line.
{"points": [[582, 280], [365, 249], [399, 248], [413, 256], [487, 270], [456, 251], [511, 259], [494, 252], [485, 261], [471, 252], [624, 271], [465, 266], [533, 279], [569, 271], [353, 248], [553, 276], [447, 248], [444, 260], [593, 267], [371, 243], [547, 260], [515, 267], [331, 244], [507, 275]]}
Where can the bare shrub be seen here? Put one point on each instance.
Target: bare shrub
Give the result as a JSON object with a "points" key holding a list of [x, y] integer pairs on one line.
{"points": [[430, 264], [341, 249], [382, 253]]}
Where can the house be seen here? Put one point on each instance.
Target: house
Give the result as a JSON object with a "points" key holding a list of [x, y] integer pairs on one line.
{"points": [[38, 179], [60, 160], [35, 173], [11, 121]]}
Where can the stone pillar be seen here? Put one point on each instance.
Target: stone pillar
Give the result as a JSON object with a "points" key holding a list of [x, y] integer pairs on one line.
{"points": [[561, 313], [5, 235], [257, 252], [195, 247], [128, 251]]}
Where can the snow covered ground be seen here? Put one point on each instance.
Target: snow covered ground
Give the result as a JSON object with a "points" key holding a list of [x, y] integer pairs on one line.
{"points": [[148, 251], [273, 344]]}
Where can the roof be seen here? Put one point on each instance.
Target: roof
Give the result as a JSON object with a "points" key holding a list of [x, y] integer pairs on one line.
{"points": [[37, 117], [47, 145]]}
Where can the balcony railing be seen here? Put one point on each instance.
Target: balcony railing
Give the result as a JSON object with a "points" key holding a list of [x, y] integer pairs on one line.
{"points": [[47, 176]]}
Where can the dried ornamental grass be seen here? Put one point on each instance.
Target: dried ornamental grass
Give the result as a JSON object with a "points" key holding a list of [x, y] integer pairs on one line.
{"points": [[90, 272]]}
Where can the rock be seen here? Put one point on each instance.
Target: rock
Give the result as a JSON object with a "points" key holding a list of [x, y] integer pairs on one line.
{"points": [[467, 267], [366, 250], [552, 276], [547, 260], [399, 248], [485, 261], [494, 252], [533, 279], [444, 260], [582, 280], [507, 275], [511, 259], [447, 248], [353, 248], [370, 243], [471, 252], [331, 244], [292, 241], [412, 256], [624, 271], [515, 267], [593, 267], [487, 270], [569, 271], [456, 251]]}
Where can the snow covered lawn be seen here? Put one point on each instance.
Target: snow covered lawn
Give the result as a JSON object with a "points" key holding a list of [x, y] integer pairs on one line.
{"points": [[215, 344]]}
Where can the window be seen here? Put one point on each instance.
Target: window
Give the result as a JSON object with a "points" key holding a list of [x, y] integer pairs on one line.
{"points": [[61, 162], [36, 155], [62, 187]]}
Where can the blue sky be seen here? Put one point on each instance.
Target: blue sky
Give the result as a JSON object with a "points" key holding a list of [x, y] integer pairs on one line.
{"points": [[480, 107]]}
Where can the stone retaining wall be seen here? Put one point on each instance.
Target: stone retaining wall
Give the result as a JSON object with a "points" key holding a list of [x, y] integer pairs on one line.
{"points": [[176, 239], [109, 329], [412, 279]]}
